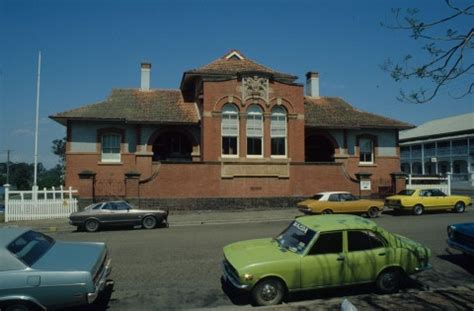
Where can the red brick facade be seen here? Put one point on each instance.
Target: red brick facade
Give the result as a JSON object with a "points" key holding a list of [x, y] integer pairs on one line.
{"points": [[206, 173]]}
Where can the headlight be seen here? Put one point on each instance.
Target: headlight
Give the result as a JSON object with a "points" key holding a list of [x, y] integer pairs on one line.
{"points": [[248, 277], [451, 232]]}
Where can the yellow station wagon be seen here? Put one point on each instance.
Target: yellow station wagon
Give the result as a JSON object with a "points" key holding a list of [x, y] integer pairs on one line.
{"points": [[419, 200]]}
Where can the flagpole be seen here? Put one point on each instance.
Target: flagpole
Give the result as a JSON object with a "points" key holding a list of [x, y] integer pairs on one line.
{"points": [[38, 81]]}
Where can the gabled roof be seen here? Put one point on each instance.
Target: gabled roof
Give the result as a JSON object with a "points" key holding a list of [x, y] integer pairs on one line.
{"points": [[234, 62], [134, 105], [333, 112], [441, 127]]}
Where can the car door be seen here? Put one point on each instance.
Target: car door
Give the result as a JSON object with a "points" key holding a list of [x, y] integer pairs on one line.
{"points": [[367, 253], [442, 201], [351, 203], [334, 203], [122, 214], [324, 263], [104, 214], [427, 199]]}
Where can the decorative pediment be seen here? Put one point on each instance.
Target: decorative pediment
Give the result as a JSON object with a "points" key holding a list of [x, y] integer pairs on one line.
{"points": [[254, 87]]}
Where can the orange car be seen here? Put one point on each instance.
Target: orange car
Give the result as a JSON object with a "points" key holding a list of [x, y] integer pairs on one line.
{"points": [[340, 202]]}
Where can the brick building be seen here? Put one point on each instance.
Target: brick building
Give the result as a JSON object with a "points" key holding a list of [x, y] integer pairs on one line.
{"points": [[234, 133]]}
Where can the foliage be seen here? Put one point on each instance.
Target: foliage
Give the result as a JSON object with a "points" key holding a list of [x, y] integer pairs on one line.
{"points": [[59, 149], [447, 51]]}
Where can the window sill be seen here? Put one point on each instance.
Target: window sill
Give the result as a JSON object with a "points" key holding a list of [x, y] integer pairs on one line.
{"points": [[367, 165], [109, 163]]}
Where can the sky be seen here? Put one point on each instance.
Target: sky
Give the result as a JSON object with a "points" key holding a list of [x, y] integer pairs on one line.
{"points": [[90, 47]]}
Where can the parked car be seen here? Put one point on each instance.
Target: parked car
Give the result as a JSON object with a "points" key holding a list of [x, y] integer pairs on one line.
{"points": [[319, 252], [420, 200], [340, 202], [37, 272], [116, 213], [461, 238]]}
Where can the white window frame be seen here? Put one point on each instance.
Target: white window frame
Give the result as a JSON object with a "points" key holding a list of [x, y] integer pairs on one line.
{"points": [[372, 154], [252, 112], [111, 157], [230, 110], [279, 112]]}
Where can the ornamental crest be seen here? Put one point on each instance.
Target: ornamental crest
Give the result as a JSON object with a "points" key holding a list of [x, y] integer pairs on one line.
{"points": [[255, 87]]}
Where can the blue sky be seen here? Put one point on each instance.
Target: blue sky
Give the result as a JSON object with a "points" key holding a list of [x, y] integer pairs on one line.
{"points": [[90, 47]]}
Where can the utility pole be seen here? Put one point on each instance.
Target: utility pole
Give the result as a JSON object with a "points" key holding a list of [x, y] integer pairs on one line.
{"points": [[8, 166], [35, 185]]}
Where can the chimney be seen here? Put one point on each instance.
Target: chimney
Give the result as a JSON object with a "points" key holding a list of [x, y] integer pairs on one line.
{"points": [[312, 84], [145, 82]]}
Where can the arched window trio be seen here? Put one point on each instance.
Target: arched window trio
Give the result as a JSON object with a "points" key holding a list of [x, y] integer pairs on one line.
{"points": [[254, 129]]}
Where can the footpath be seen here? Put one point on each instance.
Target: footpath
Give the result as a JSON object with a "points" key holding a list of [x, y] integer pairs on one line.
{"points": [[176, 218]]}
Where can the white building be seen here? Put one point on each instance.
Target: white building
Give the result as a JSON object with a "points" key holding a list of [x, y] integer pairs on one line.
{"points": [[439, 147]]}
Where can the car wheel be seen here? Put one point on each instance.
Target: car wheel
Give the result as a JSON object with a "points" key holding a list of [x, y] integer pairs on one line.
{"points": [[149, 222], [19, 306], [418, 210], [373, 212], [460, 207], [327, 212], [267, 292], [388, 281], [91, 225]]}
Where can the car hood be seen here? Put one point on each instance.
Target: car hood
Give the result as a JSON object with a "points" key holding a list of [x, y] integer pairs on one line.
{"points": [[418, 249], [466, 228], [72, 256], [253, 252]]}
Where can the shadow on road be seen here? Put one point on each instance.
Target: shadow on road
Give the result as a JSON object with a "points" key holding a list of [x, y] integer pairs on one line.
{"points": [[408, 212], [464, 261], [121, 228], [239, 297], [101, 303]]}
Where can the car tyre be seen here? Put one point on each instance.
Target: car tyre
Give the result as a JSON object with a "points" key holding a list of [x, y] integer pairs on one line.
{"points": [[459, 207], [327, 212], [373, 212], [19, 306], [149, 222], [268, 292], [388, 281], [418, 210], [91, 225]]}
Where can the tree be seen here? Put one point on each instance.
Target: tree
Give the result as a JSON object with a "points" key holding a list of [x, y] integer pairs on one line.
{"points": [[59, 149], [447, 49]]}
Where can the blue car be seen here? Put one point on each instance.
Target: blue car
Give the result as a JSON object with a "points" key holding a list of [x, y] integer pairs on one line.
{"points": [[39, 273], [461, 238]]}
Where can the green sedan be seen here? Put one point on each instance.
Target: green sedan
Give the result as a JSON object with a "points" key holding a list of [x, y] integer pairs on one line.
{"points": [[320, 252]]}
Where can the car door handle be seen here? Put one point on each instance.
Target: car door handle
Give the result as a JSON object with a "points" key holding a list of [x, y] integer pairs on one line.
{"points": [[381, 254], [340, 258]]}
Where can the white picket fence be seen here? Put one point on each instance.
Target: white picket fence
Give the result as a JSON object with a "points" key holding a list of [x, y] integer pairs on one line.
{"points": [[39, 204], [430, 182]]}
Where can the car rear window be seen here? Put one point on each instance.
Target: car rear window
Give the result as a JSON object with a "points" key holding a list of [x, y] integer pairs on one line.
{"points": [[406, 192], [30, 246], [317, 197]]}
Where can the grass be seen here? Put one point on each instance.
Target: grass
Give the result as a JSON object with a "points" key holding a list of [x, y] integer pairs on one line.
{"points": [[2, 217]]}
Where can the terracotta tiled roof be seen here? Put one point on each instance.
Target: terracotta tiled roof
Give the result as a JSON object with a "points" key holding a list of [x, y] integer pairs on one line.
{"points": [[133, 105], [333, 112], [235, 62]]}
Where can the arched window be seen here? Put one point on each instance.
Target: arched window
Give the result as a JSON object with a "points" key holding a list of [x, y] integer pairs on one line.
{"points": [[278, 132], [110, 143], [254, 131], [230, 130]]}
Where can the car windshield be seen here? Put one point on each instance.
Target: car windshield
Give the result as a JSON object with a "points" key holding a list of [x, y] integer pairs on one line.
{"points": [[317, 197], [30, 246], [295, 238], [94, 206], [406, 192]]}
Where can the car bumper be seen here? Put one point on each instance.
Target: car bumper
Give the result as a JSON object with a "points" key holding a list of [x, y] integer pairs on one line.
{"points": [[229, 276], [305, 210], [101, 284], [460, 247]]}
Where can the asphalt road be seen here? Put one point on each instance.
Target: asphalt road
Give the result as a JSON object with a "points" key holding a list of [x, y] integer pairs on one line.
{"points": [[179, 268]]}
